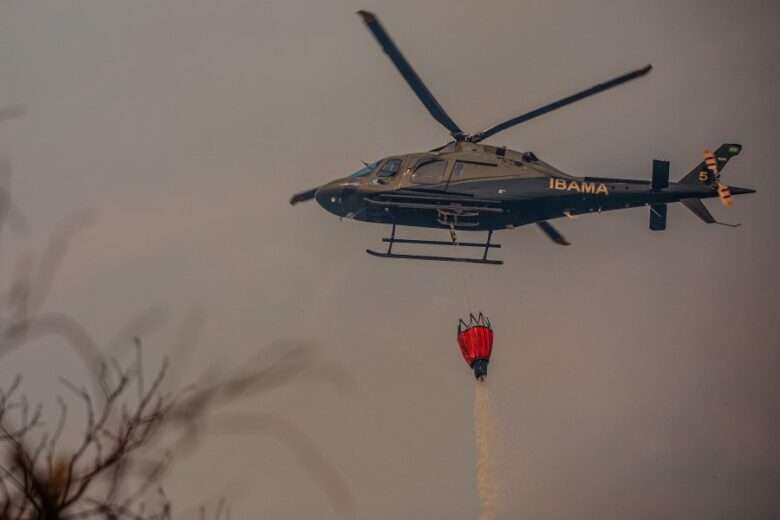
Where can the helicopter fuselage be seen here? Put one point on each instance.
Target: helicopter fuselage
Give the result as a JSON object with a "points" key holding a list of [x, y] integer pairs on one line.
{"points": [[477, 187]]}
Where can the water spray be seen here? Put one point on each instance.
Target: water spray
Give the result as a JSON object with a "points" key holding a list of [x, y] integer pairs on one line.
{"points": [[475, 339]]}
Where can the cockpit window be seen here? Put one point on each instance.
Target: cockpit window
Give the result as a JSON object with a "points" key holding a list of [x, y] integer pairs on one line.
{"points": [[390, 168], [365, 170], [429, 171]]}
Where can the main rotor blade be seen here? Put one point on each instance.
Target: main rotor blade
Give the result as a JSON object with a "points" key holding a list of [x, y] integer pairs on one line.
{"points": [[601, 87], [442, 147], [409, 74], [552, 233], [303, 196]]}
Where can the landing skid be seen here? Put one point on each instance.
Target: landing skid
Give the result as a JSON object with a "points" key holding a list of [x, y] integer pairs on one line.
{"points": [[393, 240]]}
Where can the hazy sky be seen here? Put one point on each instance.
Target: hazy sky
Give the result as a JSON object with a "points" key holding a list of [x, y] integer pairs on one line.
{"points": [[635, 373]]}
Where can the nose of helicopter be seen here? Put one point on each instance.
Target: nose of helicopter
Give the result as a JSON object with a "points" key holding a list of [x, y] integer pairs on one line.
{"points": [[330, 197]]}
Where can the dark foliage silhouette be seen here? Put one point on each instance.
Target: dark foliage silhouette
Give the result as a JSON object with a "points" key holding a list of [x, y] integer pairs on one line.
{"points": [[135, 427]]}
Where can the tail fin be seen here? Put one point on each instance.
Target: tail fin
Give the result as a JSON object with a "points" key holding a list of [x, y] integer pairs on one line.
{"points": [[660, 174], [697, 208], [700, 210], [659, 182], [702, 174], [658, 217]]}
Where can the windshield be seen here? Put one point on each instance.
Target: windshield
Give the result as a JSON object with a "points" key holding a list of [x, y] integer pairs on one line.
{"points": [[365, 170]]}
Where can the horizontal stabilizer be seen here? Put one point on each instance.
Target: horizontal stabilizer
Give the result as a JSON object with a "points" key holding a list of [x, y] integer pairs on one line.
{"points": [[658, 217], [660, 174], [698, 208]]}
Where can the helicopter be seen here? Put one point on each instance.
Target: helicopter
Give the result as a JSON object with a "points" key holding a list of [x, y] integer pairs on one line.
{"points": [[465, 185]]}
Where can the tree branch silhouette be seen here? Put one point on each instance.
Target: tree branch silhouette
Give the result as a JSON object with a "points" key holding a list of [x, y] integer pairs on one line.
{"points": [[135, 428]]}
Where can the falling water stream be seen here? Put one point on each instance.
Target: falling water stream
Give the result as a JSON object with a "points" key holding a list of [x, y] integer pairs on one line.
{"points": [[485, 438]]}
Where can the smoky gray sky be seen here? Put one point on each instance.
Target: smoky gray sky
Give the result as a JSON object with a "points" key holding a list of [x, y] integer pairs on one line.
{"points": [[635, 373]]}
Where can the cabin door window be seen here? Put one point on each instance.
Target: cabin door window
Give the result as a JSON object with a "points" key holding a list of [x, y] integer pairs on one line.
{"points": [[429, 171]]}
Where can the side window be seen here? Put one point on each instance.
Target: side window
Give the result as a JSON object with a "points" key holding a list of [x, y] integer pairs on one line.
{"points": [[429, 171], [457, 172], [472, 170], [390, 168]]}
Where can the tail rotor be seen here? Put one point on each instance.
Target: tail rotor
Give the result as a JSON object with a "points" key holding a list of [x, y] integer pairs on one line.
{"points": [[707, 174], [712, 174]]}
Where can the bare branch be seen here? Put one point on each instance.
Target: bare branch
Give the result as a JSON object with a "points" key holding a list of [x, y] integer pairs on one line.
{"points": [[134, 428], [304, 449]]}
